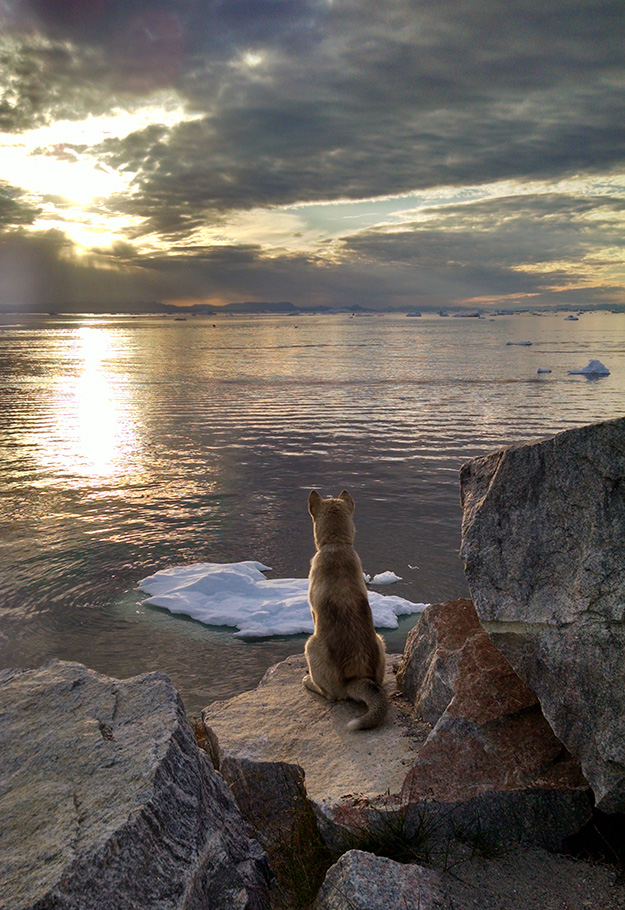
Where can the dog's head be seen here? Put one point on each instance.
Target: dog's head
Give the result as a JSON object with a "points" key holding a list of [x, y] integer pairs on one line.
{"points": [[332, 518]]}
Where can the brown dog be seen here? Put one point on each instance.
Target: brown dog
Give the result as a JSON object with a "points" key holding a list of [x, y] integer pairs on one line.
{"points": [[346, 657]]}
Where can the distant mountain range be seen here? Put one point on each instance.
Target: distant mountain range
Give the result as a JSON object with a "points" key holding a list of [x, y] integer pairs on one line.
{"points": [[284, 307]]}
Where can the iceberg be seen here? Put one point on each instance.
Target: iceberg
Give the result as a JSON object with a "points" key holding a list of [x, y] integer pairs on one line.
{"points": [[524, 344], [385, 578], [594, 368], [239, 595], [543, 370]]}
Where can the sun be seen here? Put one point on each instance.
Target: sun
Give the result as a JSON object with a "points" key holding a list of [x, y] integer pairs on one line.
{"points": [[62, 166]]}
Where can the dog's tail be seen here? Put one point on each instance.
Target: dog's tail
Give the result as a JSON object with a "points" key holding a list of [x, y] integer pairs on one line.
{"points": [[375, 698]]}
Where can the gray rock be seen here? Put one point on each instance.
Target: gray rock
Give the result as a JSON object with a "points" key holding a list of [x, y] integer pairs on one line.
{"points": [[106, 803], [532, 879], [543, 540], [272, 798], [362, 881], [515, 879]]}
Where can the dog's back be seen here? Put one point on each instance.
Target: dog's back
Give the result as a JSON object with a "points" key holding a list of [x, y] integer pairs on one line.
{"points": [[340, 605], [345, 655]]}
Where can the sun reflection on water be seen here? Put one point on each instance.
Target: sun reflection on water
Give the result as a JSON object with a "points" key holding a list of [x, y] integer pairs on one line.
{"points": [[93, 429]]}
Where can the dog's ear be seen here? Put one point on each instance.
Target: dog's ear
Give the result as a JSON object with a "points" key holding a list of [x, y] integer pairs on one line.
{"points": [[314, 500], [348, 500]]}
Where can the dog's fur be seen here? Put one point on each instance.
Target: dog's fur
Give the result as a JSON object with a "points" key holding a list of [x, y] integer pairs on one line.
{"points": [[346, 657]]}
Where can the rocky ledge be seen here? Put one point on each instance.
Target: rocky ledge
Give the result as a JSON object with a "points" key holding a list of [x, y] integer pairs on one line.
{"points": [[505, 729]]}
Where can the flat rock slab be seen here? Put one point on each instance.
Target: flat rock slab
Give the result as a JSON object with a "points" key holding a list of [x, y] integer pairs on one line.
{"points": [[281, 721]]}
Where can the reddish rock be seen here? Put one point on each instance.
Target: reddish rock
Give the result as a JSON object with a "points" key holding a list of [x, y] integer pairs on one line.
{"points": [[492, 736], [447, 656]]}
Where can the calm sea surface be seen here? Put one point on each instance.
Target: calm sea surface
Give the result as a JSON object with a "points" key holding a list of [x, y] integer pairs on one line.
{"points": [[132, 444]]}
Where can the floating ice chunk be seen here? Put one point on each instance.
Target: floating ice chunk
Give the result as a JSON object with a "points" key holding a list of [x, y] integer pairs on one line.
{"points": [[385, 578], [525, 344], [239, 595], [594, 368], [543, 370], [571, 319]]}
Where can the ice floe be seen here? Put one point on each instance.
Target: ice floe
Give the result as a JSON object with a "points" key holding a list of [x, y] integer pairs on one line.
{"points": [[239, 595], [384, 578], [594, 368]]}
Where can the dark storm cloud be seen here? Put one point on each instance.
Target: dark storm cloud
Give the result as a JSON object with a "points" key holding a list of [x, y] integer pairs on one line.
{"points": [[319, 101], [508, 231], [349, 105], [41, 81], [349, 99], [41, 270]]}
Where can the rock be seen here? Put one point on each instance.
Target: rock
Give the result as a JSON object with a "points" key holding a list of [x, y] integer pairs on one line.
{"points": [[542, 540], [106, 801], [362, 881], [520, 879], [491, 735], [281, 721], [532, 879], [272, 799], [448, 655], [491, 756]]}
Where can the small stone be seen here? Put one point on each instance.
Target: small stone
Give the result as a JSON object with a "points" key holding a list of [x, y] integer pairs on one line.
{"points": [[362, 881]]}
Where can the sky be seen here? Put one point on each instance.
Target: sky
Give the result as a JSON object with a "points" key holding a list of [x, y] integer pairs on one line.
{"points": [[389, 154]]}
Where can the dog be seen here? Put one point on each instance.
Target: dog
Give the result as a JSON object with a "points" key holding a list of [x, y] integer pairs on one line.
{"points": [[346, 657]]}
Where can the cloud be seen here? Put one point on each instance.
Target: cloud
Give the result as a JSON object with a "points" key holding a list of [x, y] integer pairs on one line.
{"points": [[505, 246], [321, 102], [15, 208]]}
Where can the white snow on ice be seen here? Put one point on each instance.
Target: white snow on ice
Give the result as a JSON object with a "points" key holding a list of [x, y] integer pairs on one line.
{"points": [[239, 595], [594, 368]]}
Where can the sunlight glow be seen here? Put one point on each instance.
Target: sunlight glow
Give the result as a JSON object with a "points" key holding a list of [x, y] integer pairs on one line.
{"points": [[67, 158], [92, 432], [96, 411], [277, 231], [252, 60]]}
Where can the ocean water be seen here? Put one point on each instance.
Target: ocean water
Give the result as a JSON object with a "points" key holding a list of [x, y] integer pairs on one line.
{"points": [[132, 444]]}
